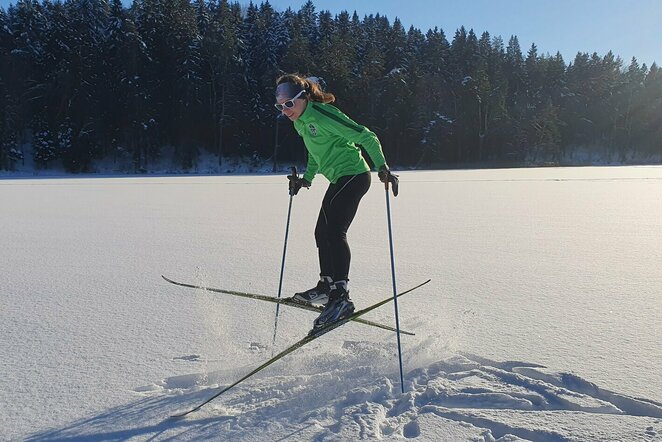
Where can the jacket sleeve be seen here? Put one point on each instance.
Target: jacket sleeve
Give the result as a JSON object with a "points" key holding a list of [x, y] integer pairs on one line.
{"points": [[311, 169], [340, 124]]}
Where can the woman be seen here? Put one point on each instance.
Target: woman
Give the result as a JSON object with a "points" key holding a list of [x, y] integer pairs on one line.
{"points": [[331, 138]]}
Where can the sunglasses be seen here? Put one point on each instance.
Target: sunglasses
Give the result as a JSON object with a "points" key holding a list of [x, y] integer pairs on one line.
{"points": [[289, 104]]}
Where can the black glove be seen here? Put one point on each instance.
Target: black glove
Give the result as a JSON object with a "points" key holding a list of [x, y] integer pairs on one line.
{"points": [[385, 176], [296, 183]]}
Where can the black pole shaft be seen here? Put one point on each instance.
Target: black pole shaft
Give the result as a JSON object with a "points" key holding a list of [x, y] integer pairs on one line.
{"points": [[395, 291], [282, 266]]}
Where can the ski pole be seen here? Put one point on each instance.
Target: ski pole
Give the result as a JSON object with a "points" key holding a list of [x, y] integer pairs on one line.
{"points": [[282, 267], [395, 291]]}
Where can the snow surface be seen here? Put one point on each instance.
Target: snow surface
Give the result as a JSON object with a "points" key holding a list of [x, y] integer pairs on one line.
{"points": [[542, 322]]}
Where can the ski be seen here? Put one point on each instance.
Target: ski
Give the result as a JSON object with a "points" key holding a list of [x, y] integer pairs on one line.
{"points": [[283, 301], [309, 338]]}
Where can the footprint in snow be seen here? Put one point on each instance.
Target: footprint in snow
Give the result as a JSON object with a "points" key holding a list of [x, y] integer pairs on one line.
{"points": [[189, 358]]}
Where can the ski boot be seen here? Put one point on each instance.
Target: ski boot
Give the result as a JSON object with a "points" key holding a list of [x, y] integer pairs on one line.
{"points": [[339, 306], [318, 295]]}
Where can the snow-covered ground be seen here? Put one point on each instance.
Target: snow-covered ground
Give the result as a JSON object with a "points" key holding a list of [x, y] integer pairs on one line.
{"points": [[543, 320]]}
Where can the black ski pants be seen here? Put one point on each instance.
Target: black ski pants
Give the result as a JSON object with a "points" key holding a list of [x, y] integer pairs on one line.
{"points": [[339, 207]]}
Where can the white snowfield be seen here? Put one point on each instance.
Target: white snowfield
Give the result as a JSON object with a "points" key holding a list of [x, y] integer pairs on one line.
{"points": [[543, 320]]}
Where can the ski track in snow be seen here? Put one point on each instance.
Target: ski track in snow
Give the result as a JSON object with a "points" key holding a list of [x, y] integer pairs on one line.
{"points": [[345, 395]]}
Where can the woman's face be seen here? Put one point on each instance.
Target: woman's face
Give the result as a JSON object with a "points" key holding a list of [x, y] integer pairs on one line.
{"points": [[291, 100], [294, 112]]}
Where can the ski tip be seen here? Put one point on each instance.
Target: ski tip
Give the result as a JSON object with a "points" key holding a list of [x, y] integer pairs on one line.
{"points": [[180, 415], [422, 284]]}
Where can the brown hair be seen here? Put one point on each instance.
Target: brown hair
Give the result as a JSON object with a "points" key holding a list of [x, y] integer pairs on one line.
{"points": [[313, 90]]}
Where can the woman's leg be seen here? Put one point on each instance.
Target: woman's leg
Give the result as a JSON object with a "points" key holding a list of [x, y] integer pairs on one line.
{"points": [[339, 208]]}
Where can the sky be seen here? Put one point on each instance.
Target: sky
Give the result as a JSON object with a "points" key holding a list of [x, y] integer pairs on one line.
{"points": [[629, 28], [626, 27]]}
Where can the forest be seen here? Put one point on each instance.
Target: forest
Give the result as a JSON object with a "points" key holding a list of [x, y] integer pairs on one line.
{"points": [[84, 81]]}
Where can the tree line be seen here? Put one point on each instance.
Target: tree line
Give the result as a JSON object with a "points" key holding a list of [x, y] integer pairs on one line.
{"points": [[85, 80]]}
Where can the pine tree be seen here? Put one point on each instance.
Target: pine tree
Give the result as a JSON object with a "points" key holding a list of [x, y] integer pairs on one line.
{"points": [[409, 148], [260, 56], [59, 45], [10, 87], [324, 48], [433, 98], [12, 153], [298, 56], [26, 76], [169, 30], [64, 139], [534, 78], [543, 134], [648, 111], [130, 116], [630, 124], [371, 70], [5, 122], [337, 54], [555, 82], [465, 57], [186, 83], [494, 93], [219, 52], [309, 25], [516, 99], [396, 92], [44, 144]]}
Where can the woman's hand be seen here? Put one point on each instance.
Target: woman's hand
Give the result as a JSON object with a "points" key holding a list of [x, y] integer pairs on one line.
{"points": [[385, 176], [296, 183]]}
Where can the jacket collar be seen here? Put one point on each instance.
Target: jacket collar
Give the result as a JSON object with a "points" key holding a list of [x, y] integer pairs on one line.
{"points": [[307, 114]]}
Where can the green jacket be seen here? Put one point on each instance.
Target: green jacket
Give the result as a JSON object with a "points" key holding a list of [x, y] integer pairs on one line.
{"points": [[331, 138]]}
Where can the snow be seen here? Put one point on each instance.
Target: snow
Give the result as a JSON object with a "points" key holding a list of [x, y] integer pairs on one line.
{"points": [[542, 321]]}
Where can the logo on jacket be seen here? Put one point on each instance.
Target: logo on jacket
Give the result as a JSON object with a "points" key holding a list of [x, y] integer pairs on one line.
{"points": [[313, 129]]}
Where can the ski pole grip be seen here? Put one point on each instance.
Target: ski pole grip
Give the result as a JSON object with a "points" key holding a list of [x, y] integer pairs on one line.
{"points": [[293, 179]]}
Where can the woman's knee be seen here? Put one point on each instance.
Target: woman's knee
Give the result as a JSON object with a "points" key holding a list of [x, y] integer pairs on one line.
{"points": [[335, 235], [321, 236]]}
